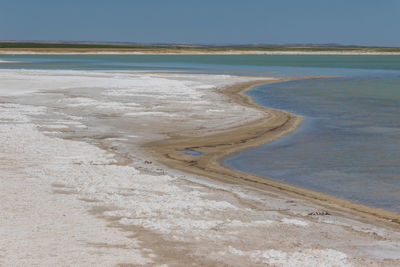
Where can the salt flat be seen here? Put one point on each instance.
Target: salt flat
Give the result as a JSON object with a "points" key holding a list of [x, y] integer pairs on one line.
{"points": [[76, 188]]}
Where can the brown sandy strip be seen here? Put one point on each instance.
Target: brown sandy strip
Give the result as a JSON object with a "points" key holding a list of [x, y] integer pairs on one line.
{"points": [[217, 146]]}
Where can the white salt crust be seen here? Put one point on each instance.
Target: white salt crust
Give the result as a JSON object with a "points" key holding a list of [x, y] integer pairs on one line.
{"points": [[44, 181]]}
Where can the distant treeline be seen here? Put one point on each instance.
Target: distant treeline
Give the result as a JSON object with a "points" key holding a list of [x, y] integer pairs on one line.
{"points": [[40, 45], [67, 45]]}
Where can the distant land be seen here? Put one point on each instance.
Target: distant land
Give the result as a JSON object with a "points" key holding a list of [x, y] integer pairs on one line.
{"points": [[182, 48]]}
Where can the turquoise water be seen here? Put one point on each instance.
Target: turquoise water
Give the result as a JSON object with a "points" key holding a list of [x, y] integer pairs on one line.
{"points": [[271, 64], [349, 143]]}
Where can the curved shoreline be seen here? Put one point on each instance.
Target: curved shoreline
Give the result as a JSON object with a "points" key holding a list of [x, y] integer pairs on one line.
{"points": [[217, 146]]}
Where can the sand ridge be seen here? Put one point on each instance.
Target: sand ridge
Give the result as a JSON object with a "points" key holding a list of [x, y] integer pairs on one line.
{"points": [[216, 147]]}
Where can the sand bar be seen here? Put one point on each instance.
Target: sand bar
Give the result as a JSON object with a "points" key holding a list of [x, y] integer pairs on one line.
{"points": [[216, 147]]}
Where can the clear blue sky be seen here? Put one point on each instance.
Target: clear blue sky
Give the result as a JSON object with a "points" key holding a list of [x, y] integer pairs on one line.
{"points": [[363, 22]]}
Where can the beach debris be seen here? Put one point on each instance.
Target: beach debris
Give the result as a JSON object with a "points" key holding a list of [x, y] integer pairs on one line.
{"points": [[319, 213]]}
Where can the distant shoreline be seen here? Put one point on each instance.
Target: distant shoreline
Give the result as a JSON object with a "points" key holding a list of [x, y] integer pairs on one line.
{"points": [[57, 51], [29, 47], [46, 47]]}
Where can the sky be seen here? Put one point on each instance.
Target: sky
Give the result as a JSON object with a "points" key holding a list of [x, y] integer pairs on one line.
{"points": [[351, 22]]}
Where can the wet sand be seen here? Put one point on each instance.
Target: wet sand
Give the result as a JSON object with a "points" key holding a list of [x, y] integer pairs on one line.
{"points": [[216, 147]]}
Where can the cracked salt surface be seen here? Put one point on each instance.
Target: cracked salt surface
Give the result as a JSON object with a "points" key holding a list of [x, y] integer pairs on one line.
{"points": [[38, 228], [306, 258], [45, 178]]}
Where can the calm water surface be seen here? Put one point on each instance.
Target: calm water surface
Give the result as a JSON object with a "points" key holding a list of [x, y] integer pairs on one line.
{"points": [[348, 146], [349, 143]]}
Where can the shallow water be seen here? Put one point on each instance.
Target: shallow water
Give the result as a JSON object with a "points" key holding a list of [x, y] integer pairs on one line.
{"points": [[275, 65], [349, 143], [191, 152], [348, 146]]}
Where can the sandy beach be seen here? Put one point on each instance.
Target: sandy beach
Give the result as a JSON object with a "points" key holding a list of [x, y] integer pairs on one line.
{"points": [[91, 174]]}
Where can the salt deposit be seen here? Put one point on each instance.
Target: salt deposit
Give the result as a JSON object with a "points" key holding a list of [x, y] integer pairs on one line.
{"points": [[70, 202]]}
